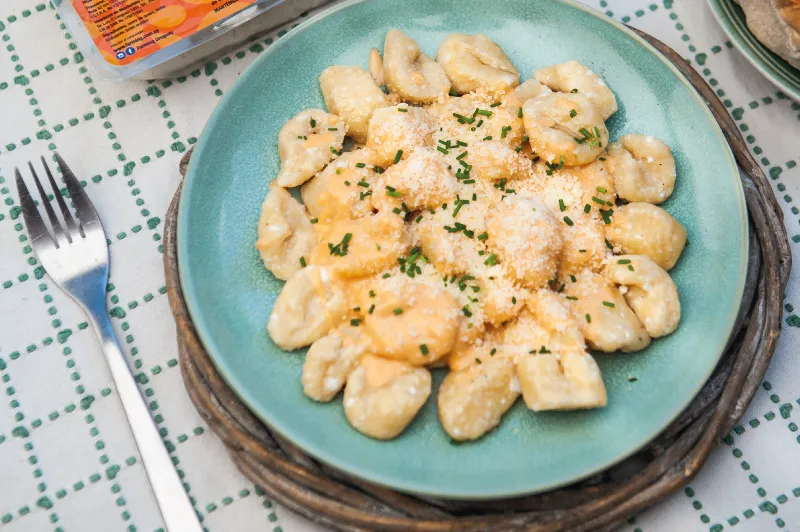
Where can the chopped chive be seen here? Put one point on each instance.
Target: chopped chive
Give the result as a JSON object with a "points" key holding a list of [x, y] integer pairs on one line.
{"points": [[402, 110], [371, 309], [313, 123], [423, 349], [354, 322], [519, 112], [393, 193], [518, 148], [347, 183], [602, 158], [574, 91], [513, 300], [581, 251], [561, 205], [598, 200], [587, 208], [568, 221], [601, 190], [444, 151], [314, 220], [572, 298], [397, 311], [588, 319], [333, 151], [484, 112], [372, 293], [419, 218], [624, 261], [463, 154], [302, 262], [495, 104], [333, 129], [504, 130], [360, 165], [608, 304], [573, 113], [338, 171], [397, 156], [377, 169], [493, 351], [483, 236], [340, 249], [491, 261], [464, 119], [386, 275], [469, 181], [466, 311], [397, 210], [363, 183], [364, 195], [573, 278], [630, 267], [452, 92]]}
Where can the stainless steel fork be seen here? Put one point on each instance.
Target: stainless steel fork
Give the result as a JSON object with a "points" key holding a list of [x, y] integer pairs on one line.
{"points": [[76, 257]]}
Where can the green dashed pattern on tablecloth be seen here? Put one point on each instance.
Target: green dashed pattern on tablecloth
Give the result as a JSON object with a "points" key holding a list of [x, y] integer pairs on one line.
{"points": [[135, 304]]}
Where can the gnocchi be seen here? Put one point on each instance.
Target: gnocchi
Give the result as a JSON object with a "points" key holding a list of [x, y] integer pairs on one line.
{"points": [[606, 320], [643, 168], [414, 76], [306, 143], [565, 129], [329, 362], [526, 238], [477, 226], [575, 77], [382, 396], [651, 293], [645, 229], [400, 129], [310, 304], [285, 234], [474, 62], [472, 401], [351, 93], [567, 381]]}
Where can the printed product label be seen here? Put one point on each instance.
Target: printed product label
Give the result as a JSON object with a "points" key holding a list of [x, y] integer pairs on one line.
{"points": [[128, 30]]}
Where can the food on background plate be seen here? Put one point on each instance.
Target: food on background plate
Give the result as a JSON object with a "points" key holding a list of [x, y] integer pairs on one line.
{"points": [[477, 224], [776, 23]]}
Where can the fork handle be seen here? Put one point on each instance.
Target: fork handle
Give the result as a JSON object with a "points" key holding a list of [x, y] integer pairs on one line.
{"points": [[173, 501]]}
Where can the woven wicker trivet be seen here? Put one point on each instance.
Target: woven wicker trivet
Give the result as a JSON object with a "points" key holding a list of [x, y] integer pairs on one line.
{"points": [[669, 462]]}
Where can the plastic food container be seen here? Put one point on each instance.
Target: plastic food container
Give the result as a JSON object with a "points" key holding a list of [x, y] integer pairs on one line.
{"points": [[147, 39]]}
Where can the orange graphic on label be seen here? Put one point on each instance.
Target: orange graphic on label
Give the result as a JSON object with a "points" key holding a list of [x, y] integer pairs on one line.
{"points": [[125, 31]]}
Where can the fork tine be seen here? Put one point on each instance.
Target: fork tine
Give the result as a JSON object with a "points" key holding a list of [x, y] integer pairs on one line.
{"points": [[56, 225], [72, 227], [33, 220], [83, 206]]}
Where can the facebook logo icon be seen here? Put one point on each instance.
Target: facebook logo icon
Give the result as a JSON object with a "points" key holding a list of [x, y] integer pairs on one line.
{"points": [[130, 50]]}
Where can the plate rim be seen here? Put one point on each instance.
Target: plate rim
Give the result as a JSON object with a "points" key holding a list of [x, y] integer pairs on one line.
{"points": [[378, 478], [752, 51]]}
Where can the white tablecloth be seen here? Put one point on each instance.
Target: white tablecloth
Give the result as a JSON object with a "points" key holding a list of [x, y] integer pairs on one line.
{"points": [[67, 459]]}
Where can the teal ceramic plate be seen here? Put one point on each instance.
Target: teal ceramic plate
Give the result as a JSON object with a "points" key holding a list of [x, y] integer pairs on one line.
{"points": [[230, 294], [732, 19]]}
